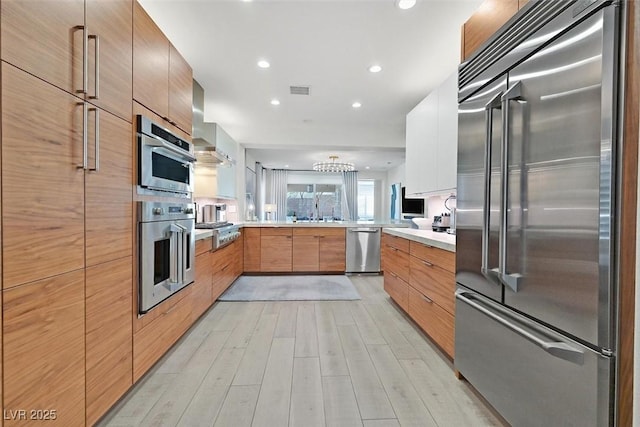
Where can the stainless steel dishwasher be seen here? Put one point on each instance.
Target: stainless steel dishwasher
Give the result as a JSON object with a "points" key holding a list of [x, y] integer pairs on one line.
{"points": [[363, 250]]}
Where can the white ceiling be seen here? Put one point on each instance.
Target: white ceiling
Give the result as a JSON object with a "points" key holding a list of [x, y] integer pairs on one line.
{"points": [[328, 45]]}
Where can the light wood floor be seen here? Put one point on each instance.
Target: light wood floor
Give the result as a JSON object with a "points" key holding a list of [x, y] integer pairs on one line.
{"points": [[346, 363]]}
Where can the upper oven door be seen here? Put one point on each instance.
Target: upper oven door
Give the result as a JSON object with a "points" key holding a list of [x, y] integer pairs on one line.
{"points": [[164, 166]]}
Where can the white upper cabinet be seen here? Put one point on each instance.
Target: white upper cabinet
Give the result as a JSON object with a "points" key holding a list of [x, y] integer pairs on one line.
{"points": [[447, 149], [432, 141]]}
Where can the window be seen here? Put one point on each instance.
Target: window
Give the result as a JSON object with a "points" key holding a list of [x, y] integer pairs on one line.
{"points": [[366, 199], [314, 201]]}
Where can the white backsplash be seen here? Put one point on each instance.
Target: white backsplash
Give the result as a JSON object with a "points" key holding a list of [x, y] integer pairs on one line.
{"points": [[435, 205], [232, 206]]}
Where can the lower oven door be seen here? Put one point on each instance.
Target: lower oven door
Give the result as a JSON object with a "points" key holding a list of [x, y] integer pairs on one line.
{"points": [[166, 260], [164, 167]]}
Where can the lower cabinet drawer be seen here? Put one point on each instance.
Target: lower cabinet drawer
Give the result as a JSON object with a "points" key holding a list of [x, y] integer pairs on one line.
{"points": [[153, 341], [397, 261], [433, 319], [434, 282], [397, 289]]}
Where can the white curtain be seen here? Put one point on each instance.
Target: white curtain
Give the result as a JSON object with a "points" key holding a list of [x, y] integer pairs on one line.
{"points": [[261, 190], [350, 183], [277, 181]]}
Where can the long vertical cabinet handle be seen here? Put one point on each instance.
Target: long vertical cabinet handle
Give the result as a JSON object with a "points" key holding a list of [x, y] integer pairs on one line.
{"points": [[85, 136], [96, 75], [514, 93], [85, 59], [96, 135], [493, 104]]}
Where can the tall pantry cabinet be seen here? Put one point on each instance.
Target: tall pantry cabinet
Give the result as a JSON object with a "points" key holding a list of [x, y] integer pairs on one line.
{"points": [[67, 207]]}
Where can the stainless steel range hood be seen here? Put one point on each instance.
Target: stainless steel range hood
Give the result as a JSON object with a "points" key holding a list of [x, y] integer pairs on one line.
{"points": [[205, 135]]}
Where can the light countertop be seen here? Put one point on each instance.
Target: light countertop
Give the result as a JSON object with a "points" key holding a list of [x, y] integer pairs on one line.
{"points": [[203, 234], [384, 223], [438, 240]]}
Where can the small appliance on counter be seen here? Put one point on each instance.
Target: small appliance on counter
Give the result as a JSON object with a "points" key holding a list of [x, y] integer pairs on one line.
{"points": [[441, 223]]}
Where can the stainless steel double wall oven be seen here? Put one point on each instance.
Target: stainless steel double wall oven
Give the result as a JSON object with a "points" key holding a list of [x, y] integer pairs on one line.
{"points": [[166, 239]]}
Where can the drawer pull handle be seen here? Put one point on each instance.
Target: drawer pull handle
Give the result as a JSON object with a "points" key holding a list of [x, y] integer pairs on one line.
{"points": [[427, 263], [428, 300], [393, 275]]}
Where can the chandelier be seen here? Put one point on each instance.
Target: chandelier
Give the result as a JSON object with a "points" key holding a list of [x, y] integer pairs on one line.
{"points": [[333, 166]]}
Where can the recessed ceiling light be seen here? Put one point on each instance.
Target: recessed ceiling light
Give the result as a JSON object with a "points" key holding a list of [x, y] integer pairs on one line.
{"points": [[406, 4], [356, 105], [263, 64], [367, 167], [375, 68], [275, 102], [286, 166]]}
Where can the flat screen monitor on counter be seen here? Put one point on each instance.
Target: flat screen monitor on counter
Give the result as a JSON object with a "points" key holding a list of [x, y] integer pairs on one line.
{"points": [[412, 206]]}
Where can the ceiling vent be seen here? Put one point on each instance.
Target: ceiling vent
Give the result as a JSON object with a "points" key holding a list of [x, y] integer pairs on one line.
{"points": [[299, 90]]}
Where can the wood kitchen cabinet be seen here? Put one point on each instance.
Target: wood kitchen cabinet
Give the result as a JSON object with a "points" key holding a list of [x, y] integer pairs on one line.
{"points": [[109, 349], [180, 90], [227, 267], [276, 249], [150, 63], [319, 249], [251, 249], [42, 183], [162, 79], [332, 256], [46, 38], [152, 341], [420, 279], [44, 348], [108, 204], [57, 190], [202, 292], [306, 249], [490, 16]]}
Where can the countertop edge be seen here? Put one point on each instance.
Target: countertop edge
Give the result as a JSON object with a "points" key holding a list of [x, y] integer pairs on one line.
{"points": [[322, 224], [203, 234], [437, 240]]}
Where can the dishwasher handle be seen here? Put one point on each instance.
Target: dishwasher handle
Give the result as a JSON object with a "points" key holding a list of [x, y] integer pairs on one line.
{"points": [[364, 230]]}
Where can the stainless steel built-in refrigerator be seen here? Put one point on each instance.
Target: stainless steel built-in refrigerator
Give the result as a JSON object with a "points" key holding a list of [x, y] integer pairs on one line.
{"points": [[536, 266]]}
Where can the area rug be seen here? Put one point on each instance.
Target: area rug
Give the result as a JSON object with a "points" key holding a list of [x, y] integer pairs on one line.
{"points": [[291, 288]]}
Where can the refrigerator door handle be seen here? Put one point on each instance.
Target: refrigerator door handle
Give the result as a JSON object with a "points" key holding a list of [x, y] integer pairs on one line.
{"points": [[556, 348], [514, 93], [492, 274]]}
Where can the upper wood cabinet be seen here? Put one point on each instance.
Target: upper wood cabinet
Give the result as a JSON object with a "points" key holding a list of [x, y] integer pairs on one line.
{"points": [[150, 63], [45, 38], [180, 91], [162, 79], [110, 62], [89, 58], [42, 179], [490, 16], [432, 141], [44, 349]]}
